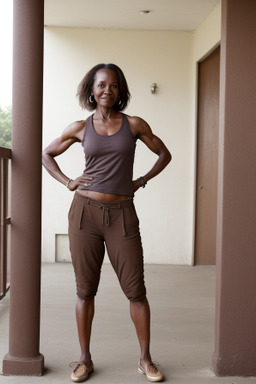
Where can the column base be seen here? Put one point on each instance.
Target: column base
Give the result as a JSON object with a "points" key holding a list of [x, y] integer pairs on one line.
{"points": [[234, 365], [21, 366]]}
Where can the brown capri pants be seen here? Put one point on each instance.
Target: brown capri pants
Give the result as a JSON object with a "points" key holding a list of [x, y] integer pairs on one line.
{"points": [[94, 225]]}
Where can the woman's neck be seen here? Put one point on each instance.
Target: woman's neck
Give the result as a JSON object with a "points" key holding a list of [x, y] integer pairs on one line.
{"points": [[105, 114]]}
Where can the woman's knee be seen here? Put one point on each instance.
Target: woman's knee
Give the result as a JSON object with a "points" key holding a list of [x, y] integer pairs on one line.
{"points": [[85, 292], [135, 294]]}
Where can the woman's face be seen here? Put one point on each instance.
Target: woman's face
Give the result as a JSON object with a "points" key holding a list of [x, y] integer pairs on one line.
{"points": [[105, 88]]}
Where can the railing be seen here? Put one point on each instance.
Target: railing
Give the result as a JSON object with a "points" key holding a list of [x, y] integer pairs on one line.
{"points": [[5, 160]]}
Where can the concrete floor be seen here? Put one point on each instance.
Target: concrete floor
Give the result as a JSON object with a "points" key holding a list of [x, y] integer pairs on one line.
{"points": [[182, 306]]}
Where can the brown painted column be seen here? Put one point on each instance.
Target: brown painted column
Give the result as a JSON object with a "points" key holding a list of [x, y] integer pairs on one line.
{"points": [[24, 357], [235, 338]]}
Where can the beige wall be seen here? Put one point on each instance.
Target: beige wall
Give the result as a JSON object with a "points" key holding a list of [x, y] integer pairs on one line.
{"points": [[166, 205]]}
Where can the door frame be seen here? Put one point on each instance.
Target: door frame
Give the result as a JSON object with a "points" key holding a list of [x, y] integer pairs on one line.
{"points": [[205, 56]]}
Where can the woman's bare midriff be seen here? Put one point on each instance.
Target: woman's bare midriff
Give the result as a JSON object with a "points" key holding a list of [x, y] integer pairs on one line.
{"points": [[104, 197]]}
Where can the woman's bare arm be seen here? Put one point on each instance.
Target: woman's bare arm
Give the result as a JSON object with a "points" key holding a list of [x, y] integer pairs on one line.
{"points": [[72, 134]]}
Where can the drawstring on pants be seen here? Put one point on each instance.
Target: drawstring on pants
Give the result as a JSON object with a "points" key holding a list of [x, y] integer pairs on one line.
{"points": [[106, 217], [105, 211]]}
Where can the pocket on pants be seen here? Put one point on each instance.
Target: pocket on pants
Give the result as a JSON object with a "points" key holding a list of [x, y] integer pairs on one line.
{"points": [[131, 221], [75, 215]]}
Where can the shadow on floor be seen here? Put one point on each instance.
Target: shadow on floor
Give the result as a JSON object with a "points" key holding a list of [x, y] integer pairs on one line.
{"points": [[182, 316]]}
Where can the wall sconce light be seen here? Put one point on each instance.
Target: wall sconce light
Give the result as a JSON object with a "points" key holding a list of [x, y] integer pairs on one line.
{"points": [[153, 88]]}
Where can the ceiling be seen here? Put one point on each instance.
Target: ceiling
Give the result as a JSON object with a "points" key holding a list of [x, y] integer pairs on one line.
{"points": [[185, 15]]}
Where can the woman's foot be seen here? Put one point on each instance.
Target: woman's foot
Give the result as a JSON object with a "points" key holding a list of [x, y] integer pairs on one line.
{"points": [[81, 371], [151, 371]]}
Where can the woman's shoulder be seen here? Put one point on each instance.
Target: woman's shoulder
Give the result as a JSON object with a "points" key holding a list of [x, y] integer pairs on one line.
{"points": [[136, 123], [75, 130], [133, 119]]}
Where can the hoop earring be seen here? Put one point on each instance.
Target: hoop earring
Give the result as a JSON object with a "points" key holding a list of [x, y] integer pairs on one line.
{"points": [[119, 101], [91, 99]]}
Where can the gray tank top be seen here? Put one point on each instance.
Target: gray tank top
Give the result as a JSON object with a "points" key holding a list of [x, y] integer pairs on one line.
{"points": [[109, 159]]}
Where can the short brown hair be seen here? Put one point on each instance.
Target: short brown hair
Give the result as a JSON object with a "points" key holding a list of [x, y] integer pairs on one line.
{"points": [[84, 90]]}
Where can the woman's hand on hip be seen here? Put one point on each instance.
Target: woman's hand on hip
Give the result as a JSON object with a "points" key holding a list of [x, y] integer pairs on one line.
{"points": [[84, 180]]}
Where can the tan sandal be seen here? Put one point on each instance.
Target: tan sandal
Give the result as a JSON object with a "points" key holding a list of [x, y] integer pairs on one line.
{"points": [[81, 371], [151, 371]]}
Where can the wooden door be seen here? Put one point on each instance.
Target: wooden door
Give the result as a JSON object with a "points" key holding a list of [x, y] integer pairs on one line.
{"points": [[207, 159]]}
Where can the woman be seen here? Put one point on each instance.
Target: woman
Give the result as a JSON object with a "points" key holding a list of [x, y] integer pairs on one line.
{"points": [[102, 211]]}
